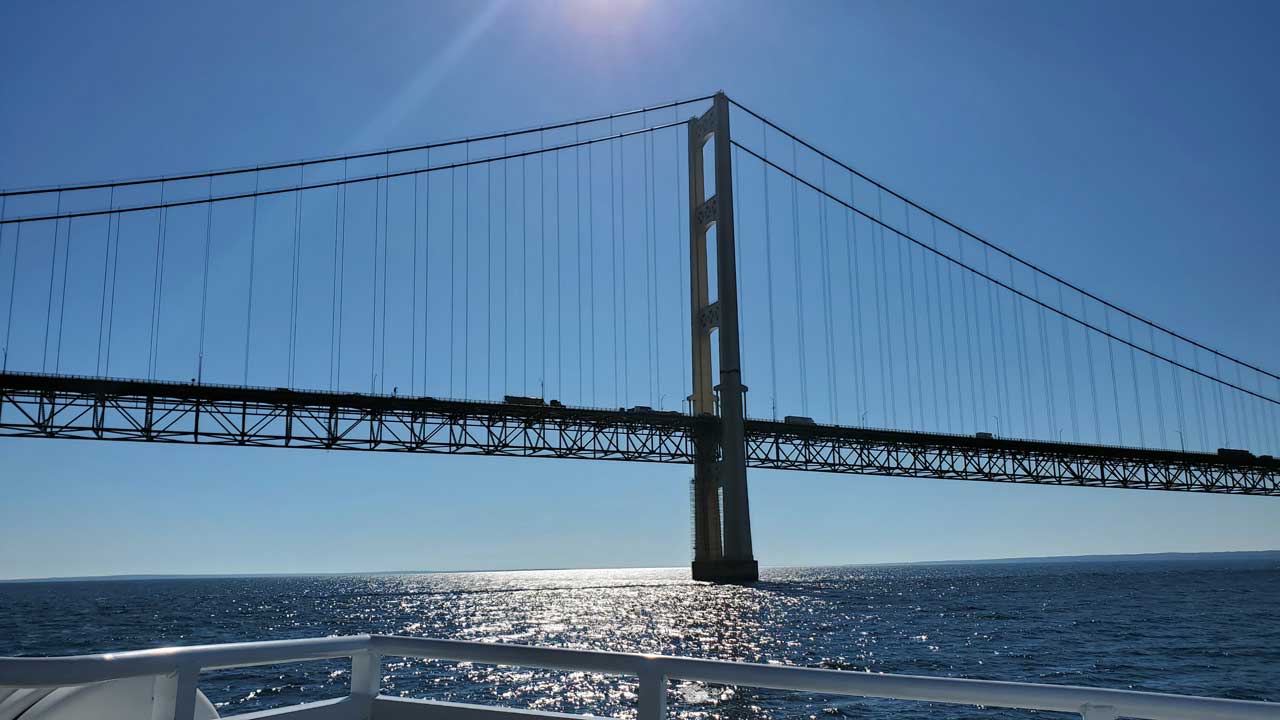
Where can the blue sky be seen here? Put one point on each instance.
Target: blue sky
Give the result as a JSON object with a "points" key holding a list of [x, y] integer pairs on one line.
{"points": [[1126, 149]]}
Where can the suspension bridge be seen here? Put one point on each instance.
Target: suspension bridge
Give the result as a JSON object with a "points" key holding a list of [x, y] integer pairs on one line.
{"points": [[601, 289]]}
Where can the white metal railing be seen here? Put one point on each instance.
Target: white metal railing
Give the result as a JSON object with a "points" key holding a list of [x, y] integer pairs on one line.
{"points": [[180, 667]]}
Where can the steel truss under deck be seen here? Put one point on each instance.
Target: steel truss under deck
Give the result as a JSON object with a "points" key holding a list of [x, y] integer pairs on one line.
{"points": [[53, 406]]}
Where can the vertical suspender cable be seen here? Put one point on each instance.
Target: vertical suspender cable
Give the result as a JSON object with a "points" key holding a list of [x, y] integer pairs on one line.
{"points": [[297, 279], [386, 279], [973, 334], [653, 251], [768, 273], [542, 247], [940, 350], [682, 253], [935, 350], [829, 309], [577, 237], [453, 254], [1261, 416], [977, 342], [333, 287], [506, 275], [1048, 364], [591, 262], [913, 388], [795, 237], [111, 312], [1275, 425], [426, 280], [62, 302], [1155, 374], [253, 244], [913, 353], [488, 280], [653, 248], [559, 260], [413, 300], [856, 316], [1071, 375], [1242, 402], [13, 283], [466, 279], [955, 340], [737, 269], [1137, 395], [622, 268], [995, 317], [4, 202], [613, 270], [373, 290], [1197, 384], [157, 288], [1024, 373], [53, 260], [342, 279], [1115, 388], [888, 402], [106, 258], [204, 289], [649, 271], [524, 274], [1093, 383]]}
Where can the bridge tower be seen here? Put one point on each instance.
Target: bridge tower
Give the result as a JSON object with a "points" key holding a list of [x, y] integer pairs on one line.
{"points": [[721, 514]]}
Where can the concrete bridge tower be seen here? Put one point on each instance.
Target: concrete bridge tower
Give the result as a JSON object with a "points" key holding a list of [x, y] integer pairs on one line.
{"points": [[721, 513]]}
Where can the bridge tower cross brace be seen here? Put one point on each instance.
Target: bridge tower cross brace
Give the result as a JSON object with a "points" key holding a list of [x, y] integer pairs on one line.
{"points": [[721, 513]]}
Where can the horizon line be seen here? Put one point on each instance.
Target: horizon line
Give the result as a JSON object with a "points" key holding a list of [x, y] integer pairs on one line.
{"points": [[960, 561]]}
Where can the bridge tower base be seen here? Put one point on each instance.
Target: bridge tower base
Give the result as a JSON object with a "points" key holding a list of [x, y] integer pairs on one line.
{"points": [[726, 571], [721, 513]]}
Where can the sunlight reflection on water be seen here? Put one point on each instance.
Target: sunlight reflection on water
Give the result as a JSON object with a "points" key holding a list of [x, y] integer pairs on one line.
{"points": [[1174, 627]]}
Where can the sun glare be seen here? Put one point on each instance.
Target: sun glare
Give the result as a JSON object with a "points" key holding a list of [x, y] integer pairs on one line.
{"points": [[602, 16]]}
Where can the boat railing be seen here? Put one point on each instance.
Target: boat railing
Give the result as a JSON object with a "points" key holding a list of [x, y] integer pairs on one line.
{"points": [[177, 670]]}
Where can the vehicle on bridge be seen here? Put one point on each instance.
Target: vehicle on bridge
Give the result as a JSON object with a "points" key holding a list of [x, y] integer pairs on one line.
{"points": [[524, 400]]}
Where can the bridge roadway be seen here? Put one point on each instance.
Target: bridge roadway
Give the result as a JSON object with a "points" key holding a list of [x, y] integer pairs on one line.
{"points": [[60, 406]]}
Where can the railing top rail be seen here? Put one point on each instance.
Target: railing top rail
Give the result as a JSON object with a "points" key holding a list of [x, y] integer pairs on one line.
{"points": [[82, 669]]}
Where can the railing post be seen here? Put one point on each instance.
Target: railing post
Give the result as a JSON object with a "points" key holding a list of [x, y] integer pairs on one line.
{"points": [[1098, 712], [653, 692], [174, 697], [366, 677]]}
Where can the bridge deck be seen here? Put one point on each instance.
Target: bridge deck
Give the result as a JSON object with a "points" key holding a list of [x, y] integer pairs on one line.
{"points": [[57, 406]]}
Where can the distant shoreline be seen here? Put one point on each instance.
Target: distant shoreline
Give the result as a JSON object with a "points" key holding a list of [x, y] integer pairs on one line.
{"points": [[1119, 557]]}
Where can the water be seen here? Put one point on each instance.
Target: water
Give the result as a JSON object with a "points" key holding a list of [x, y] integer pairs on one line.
{"points": [[1199, 627]]}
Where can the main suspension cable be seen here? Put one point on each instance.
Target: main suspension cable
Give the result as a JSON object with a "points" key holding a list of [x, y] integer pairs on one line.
{"points": [[997, 248], [676, 104], [1033, 299]]}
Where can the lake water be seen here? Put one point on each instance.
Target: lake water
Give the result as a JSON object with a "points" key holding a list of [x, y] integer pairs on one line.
{"points": [[1198, 627]]}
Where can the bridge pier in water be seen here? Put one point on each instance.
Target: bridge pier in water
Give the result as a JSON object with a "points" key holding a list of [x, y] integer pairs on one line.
{"points": [[721, 511]]}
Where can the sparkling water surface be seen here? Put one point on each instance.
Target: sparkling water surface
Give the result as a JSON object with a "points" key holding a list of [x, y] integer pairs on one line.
{"points": [[1197, 627]]}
